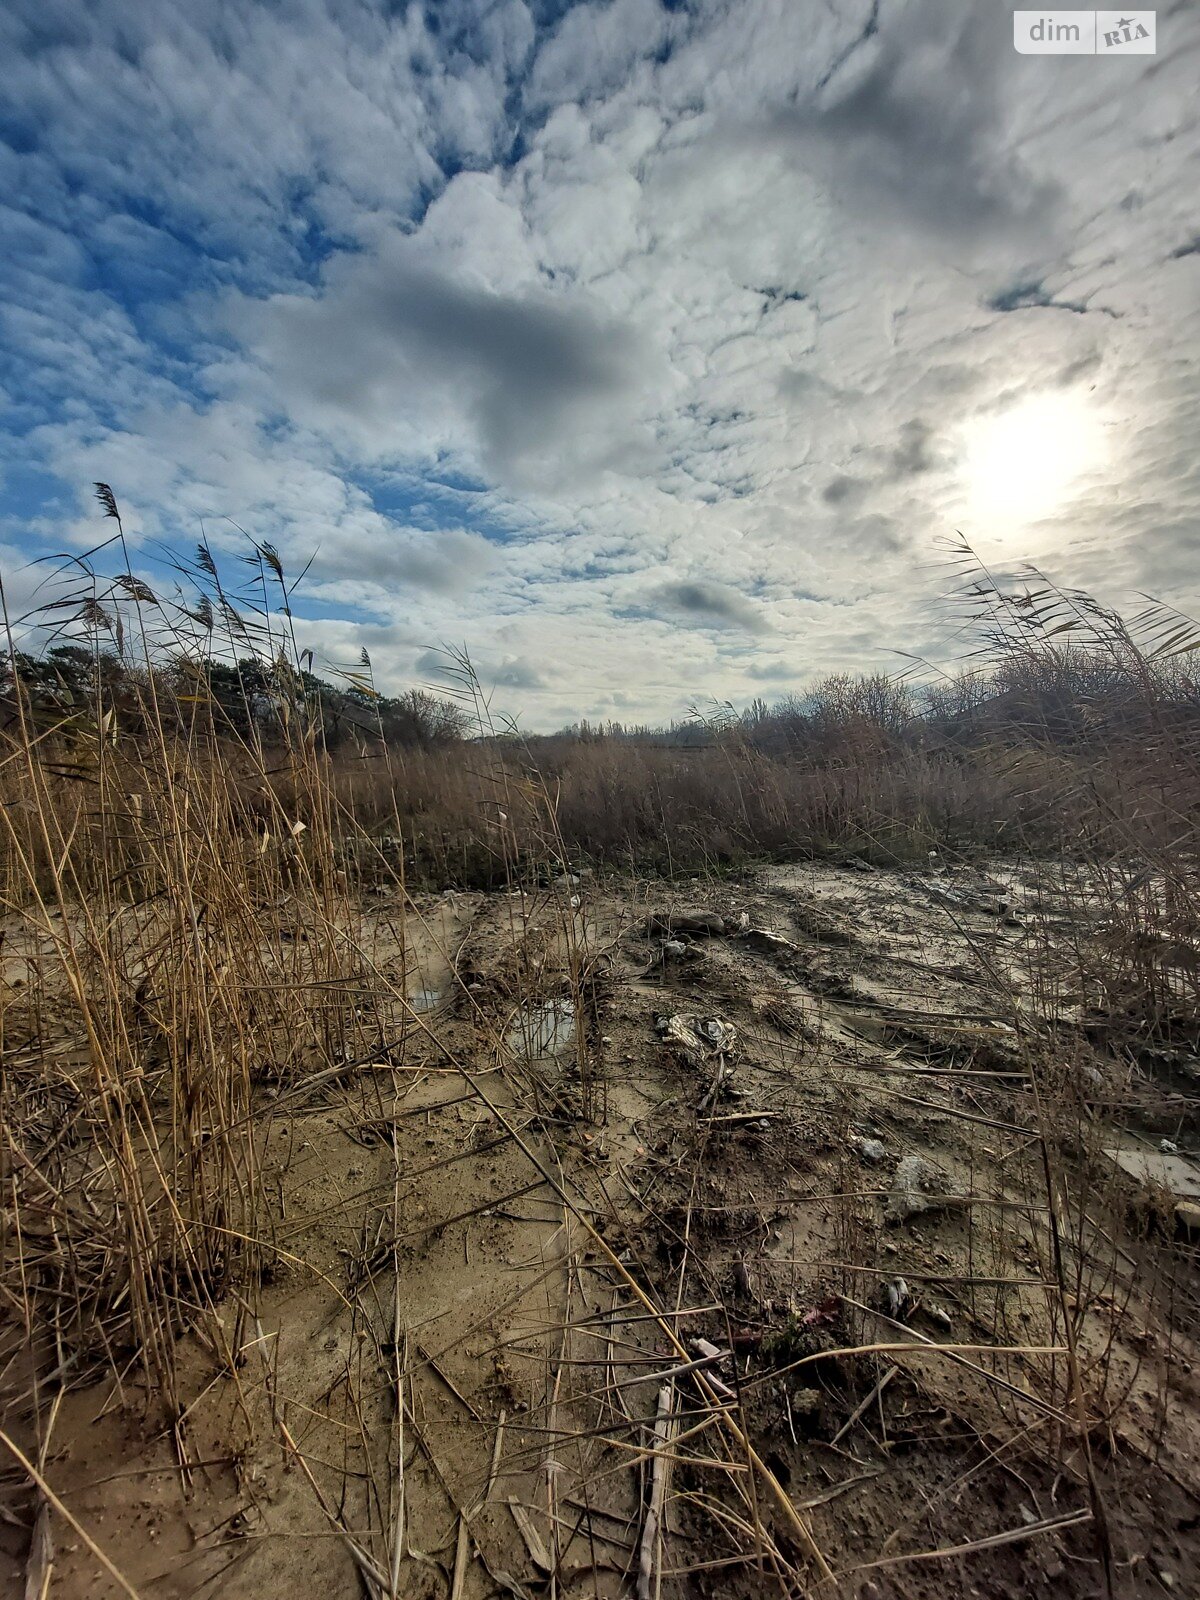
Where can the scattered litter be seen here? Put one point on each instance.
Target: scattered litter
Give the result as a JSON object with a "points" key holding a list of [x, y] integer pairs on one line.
{"points": [[752, 1119], [696, 924], [1168, 1147], [712, 1356], [897, 1297], [824, 1312], [1159, 1169], [701, 1036], [937, 1314], [704, 1041], [774, 941]]}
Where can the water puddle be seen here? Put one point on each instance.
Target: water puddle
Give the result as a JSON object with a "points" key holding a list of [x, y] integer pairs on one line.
{"points": [[540, 1032]]}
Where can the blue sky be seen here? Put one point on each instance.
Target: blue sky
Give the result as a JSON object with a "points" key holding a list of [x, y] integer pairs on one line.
{"points": [[647, 350]]}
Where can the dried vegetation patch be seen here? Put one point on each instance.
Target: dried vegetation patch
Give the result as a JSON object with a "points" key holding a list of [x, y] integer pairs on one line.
{"points": [[826, 1227]]}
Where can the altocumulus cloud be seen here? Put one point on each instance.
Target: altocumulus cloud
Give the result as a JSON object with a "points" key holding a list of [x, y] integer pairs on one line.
{"points": [[713, 604], [450, 561], [509, 379], [626, 342]]}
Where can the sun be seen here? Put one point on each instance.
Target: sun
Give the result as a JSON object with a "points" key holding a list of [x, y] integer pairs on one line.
{"points": [[1023, 465]]}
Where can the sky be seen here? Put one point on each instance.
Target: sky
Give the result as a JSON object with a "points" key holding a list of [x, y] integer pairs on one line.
{"points": [[652, 351]]}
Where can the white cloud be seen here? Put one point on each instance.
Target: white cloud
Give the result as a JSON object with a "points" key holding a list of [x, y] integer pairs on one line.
{"points": [[626, 351]]}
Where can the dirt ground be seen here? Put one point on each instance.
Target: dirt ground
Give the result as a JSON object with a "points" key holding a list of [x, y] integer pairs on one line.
{"points": [[692, 1240]]}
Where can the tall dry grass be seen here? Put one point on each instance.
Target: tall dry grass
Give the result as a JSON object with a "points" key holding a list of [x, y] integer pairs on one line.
{"points": [[176, 939]]}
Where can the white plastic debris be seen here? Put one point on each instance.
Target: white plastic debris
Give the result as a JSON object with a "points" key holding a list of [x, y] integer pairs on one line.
{"points": [[720, 1035], [897, 1295], [703, 1036], [707, 1043]]}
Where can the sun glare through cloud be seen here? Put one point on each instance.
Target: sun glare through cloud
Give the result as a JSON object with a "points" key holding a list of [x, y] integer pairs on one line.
{"points": [[1028, 463]]}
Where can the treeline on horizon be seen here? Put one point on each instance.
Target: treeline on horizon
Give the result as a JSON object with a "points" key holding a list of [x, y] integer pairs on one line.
{"points": [[1075, 696], [1051, 744], [249, 697], [1066, 728]]}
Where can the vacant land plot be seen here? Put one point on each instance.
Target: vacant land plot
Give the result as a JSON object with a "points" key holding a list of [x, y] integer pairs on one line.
{"points": [[796, 1233]]}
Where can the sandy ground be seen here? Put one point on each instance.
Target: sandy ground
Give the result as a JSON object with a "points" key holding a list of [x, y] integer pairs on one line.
{"points": [[799, 1128]]}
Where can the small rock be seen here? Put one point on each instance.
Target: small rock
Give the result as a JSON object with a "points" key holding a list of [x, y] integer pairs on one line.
{"points": [[906, 1198], [872, 1150]]}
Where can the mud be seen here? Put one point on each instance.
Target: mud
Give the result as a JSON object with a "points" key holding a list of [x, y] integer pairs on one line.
{"points": [[728, 1197]]}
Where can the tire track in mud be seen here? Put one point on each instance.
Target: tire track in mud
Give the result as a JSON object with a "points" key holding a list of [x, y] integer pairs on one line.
{"points": [[440, 1319], [942, 1040]]}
